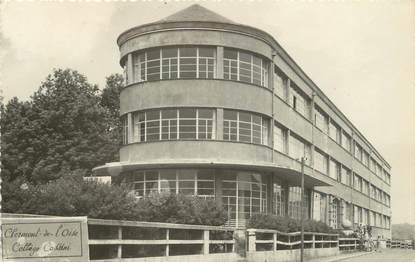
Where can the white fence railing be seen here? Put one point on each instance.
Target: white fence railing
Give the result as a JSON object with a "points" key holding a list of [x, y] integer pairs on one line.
{"points": [[395, 243], [114, 239], [272, 240], [347, 244]]}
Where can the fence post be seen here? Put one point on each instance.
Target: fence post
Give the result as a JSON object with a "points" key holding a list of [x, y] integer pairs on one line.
{"points": [[119, 248], [206, 242], [274, 241], [251, 240], [167, 240], [313, 240]]}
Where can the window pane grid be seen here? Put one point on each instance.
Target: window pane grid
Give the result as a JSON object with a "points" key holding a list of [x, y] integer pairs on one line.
{"points": [[247, 127], [245, 67]]}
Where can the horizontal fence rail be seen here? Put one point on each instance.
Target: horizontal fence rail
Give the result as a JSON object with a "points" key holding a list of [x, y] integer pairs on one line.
{"points": [[347, 244], [396, 243], [273, 240], [115, 239]]}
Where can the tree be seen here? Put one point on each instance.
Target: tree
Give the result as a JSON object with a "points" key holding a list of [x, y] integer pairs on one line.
{"points": [[110, 100], [62, 130]]}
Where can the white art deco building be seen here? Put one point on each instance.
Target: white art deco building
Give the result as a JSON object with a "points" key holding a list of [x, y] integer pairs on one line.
{"points": [[218, 109]]}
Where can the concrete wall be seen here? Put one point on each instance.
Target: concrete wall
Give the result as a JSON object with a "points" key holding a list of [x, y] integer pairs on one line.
{"points": [[196, 93], [290, 255]]}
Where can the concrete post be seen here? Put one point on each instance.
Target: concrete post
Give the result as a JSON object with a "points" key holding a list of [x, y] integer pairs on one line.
{"points": [[274, 243], [313, 241], [167, 245], [219, 124], [205, 242], [219, 62], [119, 247], [251, 240]]}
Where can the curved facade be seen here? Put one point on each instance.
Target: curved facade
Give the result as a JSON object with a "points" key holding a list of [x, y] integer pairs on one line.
{"points": [[219, 110]]}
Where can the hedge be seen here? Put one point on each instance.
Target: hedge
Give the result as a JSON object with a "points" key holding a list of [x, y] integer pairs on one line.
{"points": [[286, 224], [71, 196]]}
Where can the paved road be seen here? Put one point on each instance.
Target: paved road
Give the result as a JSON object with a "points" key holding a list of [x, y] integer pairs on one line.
{"points": [[389, 255]]}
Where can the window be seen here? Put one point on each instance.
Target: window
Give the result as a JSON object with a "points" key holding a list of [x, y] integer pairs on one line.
{"points": [[298, 149], [171, 124], [279, 139], [244, 66], [320, 120], [372, 165], [320, 162], [319, 207], [174, 62], [357, 183], [334, 131], [245, 127], [346, 141], [365, 158], [280, 82], [294, 203], [279, 193], [372, 191], [299, 103], [358, 151], [365, 187], [244, 193], [184, 181], [334, 170], [345, 176]]}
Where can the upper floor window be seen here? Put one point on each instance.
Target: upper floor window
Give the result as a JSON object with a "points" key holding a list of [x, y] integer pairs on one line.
{"points": [[170, 124], [320, 162], [245, 127], [245, 66], [299, 102], [279, 139], [365, 156], [174, 62], [320, 120], [372, 165], [299, 149], [280, 83], [334, 170], [346, 141], [345, 176], [357, 182], [365, 187], [334, 131], [358, 151]]}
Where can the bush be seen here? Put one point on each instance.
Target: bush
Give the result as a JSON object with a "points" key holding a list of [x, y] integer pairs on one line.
{"points": [[71, 196], [286, 224]]}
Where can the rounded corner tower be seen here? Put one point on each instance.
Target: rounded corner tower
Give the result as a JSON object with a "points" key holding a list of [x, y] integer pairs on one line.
{"points": [[216, 109]]}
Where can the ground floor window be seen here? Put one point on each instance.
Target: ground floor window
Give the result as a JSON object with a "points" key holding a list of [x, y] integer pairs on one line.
{"points": [[177, 181], [279, 198], [294, 203], [244, 193], [319, 207]]}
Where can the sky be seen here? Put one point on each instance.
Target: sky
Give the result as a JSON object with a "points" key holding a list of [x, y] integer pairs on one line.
{"points": [[360, 53]]}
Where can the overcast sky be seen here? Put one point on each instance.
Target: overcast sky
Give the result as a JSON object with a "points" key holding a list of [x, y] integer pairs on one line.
{"points": [[360, 53]]}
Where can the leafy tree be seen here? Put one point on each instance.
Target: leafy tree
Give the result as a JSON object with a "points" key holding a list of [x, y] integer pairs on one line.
{"points": [[110, 100], [62, 130]]}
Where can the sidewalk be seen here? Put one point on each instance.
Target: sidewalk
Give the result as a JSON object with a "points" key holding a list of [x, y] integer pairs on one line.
{"points": [[340, 257]]}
